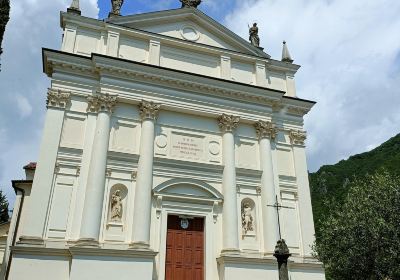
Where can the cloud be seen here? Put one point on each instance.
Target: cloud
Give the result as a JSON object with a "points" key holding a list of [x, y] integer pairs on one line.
{"points": [[350, 57], [24, 107], [33, 25]]}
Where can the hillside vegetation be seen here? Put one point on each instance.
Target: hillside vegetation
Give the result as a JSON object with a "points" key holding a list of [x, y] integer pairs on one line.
{"points": [[331, 182]]}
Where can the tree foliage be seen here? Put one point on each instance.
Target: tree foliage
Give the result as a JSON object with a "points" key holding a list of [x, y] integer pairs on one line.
{"points": [[3, 208], [331, 182], [360, 239], [4, 18]]}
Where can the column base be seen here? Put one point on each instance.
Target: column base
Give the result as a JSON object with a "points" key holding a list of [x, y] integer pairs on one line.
{"points": [[86, 242], [140, 245], [30, 241]]}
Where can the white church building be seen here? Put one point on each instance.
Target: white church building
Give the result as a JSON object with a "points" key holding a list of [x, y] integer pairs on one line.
{"points": [[168, 140]]}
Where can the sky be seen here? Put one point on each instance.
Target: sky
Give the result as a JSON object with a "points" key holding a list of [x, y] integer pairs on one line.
{"points": [[349, 51]]}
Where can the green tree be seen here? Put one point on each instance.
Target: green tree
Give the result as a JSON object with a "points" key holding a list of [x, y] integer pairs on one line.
{"points": [[3, 208], [360, 239], [4, 18]]}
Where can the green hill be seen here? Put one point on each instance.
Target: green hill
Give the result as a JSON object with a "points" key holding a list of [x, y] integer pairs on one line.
{"points": [[330, 182]]}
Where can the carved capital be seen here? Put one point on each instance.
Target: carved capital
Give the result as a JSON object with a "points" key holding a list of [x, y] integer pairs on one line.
{"points": [[149, 110], [297, 137], [57, 98], [101, 103], [228, 123], [266, 130]]}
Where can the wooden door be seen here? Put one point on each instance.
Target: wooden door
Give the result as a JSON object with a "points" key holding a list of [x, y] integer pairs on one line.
{"points": [[185, 249]]}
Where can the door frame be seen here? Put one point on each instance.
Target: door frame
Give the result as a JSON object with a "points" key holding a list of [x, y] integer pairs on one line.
{"points": [[196, 211]]}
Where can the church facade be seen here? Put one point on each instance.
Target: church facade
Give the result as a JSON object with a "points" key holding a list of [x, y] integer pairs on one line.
{"points": [[168, 143]]}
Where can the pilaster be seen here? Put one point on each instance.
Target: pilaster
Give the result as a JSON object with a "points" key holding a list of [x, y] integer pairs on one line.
{"points": [[230, 231], [226, 67], [297, 139], [144, 181], [34, 227], [68, 44], [154, 52], [112, 43], [261, 74]]}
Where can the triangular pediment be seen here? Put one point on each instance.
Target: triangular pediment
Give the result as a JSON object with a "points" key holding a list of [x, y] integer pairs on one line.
{"points": [[189, 24]]}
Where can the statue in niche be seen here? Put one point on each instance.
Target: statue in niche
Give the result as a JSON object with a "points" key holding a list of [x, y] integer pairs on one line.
{"points": [[116, 7], [254, 38], [247, 218], [116, 207]]}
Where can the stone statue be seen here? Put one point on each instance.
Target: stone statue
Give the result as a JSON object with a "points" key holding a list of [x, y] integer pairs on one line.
{"points": [[116, 7], [253, 32], [190, 3], [247, 218], [116, 207], [282, 255]]}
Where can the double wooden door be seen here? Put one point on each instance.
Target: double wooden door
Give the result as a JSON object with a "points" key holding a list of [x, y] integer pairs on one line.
{"points": [[185, 249]]}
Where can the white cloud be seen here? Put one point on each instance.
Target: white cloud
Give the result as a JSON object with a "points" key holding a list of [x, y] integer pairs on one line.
{"points": [[349, 52], [24, 107], [34, 24]]}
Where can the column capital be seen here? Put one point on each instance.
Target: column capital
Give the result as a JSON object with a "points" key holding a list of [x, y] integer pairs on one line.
{"points": [[297, 137], [57, 98], [149, 110], [101, 103], [228, 123], [265, 129]]}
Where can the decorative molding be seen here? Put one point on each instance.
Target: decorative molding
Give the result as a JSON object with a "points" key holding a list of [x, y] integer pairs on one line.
{"points": [[297, 137], [297, 111], [228, 123], [258, 190], [101, 103], [148, 110], [108, 172], [134, 175], [78, 171], [57, 98], [266, 130], [159, 206], [57, 168]]}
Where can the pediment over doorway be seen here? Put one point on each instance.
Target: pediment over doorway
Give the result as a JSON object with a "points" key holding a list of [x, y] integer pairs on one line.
{"points": [[188, 189]]}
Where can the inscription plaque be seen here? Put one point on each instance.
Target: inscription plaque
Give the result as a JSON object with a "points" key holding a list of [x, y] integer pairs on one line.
{"points": [[187, 146]]}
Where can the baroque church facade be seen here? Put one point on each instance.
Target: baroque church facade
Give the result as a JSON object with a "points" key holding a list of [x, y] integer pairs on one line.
{"points": [[168, 140]]}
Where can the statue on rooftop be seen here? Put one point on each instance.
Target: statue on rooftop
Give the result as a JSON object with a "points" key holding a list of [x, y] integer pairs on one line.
{"points": [[253, 32], [116, 7], [190, 3]]}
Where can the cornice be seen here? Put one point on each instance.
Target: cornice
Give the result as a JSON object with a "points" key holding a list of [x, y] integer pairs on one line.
{"points": [[100, 65], [115, 25]]}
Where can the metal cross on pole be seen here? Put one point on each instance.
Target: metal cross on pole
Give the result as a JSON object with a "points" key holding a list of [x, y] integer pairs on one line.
{"points": [[279, 207], [282, 253]]}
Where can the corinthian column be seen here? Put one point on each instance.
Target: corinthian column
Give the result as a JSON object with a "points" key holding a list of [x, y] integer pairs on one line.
{"points": [[144, 181], [230, 232], [33, 230], [267, 132], [91, 218]]}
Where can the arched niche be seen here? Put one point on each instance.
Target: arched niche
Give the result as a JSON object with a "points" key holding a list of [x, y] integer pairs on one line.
{"points": [[248, 217]]}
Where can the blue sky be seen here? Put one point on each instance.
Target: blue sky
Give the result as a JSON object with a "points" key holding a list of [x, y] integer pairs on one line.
{"points": [[144, 6], [349, 51]]}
